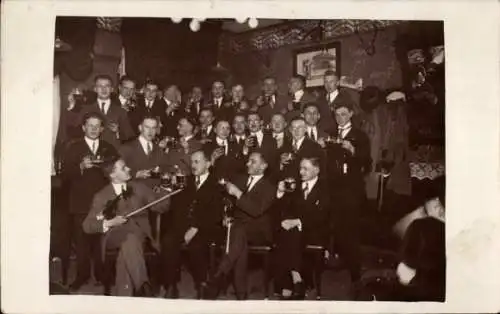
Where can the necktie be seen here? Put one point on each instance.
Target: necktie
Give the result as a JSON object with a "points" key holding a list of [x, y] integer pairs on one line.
{"points": [[295, 146], [94, 148], [249, 183], [329, 98], [225, 147], [197, 182], [313, 135], [340, 133], [124, 188], [305, 189], [149, 148], [103, 108]]}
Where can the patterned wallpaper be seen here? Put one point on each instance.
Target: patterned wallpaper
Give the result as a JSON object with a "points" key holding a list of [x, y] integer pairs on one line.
{"points": [[381, 69]]}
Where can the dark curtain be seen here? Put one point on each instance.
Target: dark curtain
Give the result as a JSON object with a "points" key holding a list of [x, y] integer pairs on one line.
{"points": [[170, 53], [79, 32]]}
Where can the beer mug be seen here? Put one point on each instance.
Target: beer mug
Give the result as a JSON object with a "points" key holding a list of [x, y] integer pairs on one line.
{"points": [[290, 184], [180, 180]]}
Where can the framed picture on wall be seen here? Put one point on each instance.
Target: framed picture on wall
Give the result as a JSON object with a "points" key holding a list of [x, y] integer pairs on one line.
{"points": [[312, 62]]}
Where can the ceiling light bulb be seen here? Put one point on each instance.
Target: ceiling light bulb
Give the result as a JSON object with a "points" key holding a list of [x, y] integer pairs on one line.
{"points": [[176, 20], [241, 20], [194, 25], [253, 23]]}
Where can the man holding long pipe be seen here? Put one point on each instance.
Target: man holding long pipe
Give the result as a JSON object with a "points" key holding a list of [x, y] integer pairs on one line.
{"points": [[129, 227]]}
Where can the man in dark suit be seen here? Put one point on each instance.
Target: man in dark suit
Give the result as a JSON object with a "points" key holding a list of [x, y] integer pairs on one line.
{"points": [[117, 127], [206, 130], [84, 176], [299, 147], [150, 105], [348, 162], [226, 158], [143, 155], [278, 129], [220, 104], [126, 234], [299, 97], [195, 223], [269, 103], [195, 102], [239, 133], [304, 214], [177, 158], [258, 140], [173, 111], [312, 116], [253, 196], [126, 93]]}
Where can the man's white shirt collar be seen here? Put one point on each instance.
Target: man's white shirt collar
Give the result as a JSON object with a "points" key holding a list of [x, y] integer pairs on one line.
{"points": [[310, 184], [260, 135], [91, 142], [144, 144], [255, 179], [122, 99], [119, 187], [279, 136], [107, 104], [298, 143], [203, 178], [298, 95], [333, 95]]}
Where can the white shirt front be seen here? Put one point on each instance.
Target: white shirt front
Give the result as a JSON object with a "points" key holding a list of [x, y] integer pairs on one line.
{"points": [[260, 136], [92, 144], [343, 130], [106, 103], [144, 144], [313, 132], [202, 179], [122, 99], [310, 185], [254, 180], [208, 129], [218, 102], [333, 95], [222, 142], [297, 96], [298, 143], [149, 103], [239, 138], [119, 187]]}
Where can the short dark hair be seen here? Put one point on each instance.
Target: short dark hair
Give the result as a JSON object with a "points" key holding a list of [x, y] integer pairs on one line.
{"points": [[150, 117], [240, 114], [124, 78], [310, 104], [269, 77], [346, 105], [314, 160], [151, 82], [254, 113], [278, 114], [301, 78], [189, 119], [207, 155], [108, 165], [237, 84], [331, 73], [217, 121], [103, 77], [206, 109], [298, 118], [219, 81], [262, 155], [92, 115]]}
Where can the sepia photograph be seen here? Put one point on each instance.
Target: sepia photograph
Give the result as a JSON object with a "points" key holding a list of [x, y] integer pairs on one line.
{"points": [[237, 159]]}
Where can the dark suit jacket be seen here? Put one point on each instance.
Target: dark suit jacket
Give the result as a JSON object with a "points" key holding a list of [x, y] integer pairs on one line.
{"points": [[170, 121], [84, 184], [297, 108], [137, 114], [269, 148], [253, 209], [201, 209], [309, 148], [115, 114], [269, 109], [136, 159], [225, 111], [139, 224], [227, 166], [357, 165], [313, 212], [326, 109]]}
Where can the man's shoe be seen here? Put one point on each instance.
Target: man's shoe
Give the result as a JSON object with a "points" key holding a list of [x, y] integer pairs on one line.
{"points": [[214, 287], [299, 291]]}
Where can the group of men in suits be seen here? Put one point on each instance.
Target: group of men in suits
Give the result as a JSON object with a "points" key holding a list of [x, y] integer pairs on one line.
{"points": [[280, 173]]}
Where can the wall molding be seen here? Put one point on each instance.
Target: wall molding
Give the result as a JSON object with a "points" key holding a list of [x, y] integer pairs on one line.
{"points": [[298, 32]]}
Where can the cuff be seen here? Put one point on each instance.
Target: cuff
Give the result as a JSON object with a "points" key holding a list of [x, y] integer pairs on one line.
{"points": [[279, 194], [105, 226]]}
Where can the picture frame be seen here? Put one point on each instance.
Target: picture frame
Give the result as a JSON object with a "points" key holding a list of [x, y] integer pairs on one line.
{"points": [[313, 71]]}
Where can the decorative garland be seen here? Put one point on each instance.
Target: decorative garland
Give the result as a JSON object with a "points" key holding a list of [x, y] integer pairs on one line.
{"points": [[299, 32]]}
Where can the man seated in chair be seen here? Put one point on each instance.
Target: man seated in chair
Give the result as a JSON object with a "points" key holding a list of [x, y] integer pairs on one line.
{"points": [[303, 221], [125, 234], [252, 195], [422, 271]]}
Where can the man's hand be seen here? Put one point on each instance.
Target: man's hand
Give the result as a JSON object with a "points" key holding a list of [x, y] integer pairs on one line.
{"points": [[321, 142], [233, 190], [281, 187], [226, 221], [217, 153], [86, 163], [143, 174], [117, 221], [113, 126], [189, 235], [172, 108], [348, 145], [288, 224], [285, 158]]}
